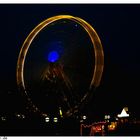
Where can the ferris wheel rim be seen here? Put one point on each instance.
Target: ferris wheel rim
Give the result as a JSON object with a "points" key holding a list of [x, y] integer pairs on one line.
{"points": [[98, 49]]}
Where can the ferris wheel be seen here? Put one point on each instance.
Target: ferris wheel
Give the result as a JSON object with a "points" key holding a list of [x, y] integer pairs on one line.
{"points": [[53, 80]]}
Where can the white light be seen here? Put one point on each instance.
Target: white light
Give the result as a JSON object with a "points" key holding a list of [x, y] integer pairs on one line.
{"points": [[45, 115], [123, 114], [47, 119], [20, 116], [55, 120], [108, 116], [81, 121], [23, 116], [3, 118], [84, 117]]}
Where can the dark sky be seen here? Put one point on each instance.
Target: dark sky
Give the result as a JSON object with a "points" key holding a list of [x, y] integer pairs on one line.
{"points": [[118, 27]]}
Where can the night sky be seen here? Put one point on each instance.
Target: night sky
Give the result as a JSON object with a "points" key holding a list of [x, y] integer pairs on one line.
{"points": [[118, 27]]}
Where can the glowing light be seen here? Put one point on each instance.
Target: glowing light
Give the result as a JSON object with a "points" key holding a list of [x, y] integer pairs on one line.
{"points": [[98, 128], [116, 119], [112, 126], [55, 120], [60, 112], [23, 116], [107, 117], [20, 116], [45, 115], [3, 118], [84, 117], [123, 114], [81, 121], [47, 119], [53, 56]]}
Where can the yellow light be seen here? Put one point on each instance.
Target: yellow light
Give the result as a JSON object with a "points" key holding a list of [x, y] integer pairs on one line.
{"points": [[55, 120], [60, 112], [112, 126], [98, 50]]}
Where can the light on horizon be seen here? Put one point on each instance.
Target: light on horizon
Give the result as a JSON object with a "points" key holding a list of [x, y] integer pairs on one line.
{"points": [[123, 114]]}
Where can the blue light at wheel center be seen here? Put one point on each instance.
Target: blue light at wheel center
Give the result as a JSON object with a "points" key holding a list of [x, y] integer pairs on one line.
{"points": [[53, 56]]}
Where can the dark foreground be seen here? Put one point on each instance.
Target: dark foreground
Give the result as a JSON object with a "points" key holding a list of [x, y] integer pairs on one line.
{"points": [[69, 127], [39, 128]]}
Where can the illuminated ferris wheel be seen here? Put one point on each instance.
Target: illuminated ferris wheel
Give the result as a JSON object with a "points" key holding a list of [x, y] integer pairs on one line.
{"points": [[46, 77]]}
